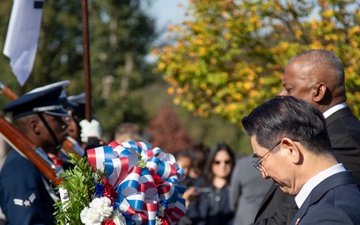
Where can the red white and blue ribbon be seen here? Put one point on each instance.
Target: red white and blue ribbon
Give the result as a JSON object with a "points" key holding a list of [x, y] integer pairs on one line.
{"points": [[140, 195]]}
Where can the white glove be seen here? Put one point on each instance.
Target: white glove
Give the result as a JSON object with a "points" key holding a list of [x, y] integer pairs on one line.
{"points": [[88, 129]]}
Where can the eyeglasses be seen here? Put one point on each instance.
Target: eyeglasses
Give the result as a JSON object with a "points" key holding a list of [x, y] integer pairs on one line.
{"points": [[227, 162], [258, 163]]}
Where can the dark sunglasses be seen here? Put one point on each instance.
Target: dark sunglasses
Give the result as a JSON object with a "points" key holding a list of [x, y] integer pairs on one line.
{"points": [[227, 162]]}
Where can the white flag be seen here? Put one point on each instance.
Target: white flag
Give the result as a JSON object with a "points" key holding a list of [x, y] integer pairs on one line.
{"points": [[22, 37]]}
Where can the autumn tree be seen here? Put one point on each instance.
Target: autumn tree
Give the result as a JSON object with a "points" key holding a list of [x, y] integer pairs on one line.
{"points": [[228, 57], [167, 131]]}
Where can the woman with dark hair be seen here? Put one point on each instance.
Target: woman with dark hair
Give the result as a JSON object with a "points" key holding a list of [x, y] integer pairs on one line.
{"points": [[212, 205]]}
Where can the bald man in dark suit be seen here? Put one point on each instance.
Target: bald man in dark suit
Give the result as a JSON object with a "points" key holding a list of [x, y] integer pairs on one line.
{"points": [[317, 76]]}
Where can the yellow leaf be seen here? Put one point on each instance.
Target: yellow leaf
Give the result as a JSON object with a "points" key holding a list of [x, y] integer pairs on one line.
{"points": [[170, 90], [354, 30], [161, 66], [248, 86], [328, 13], [202, 51]]}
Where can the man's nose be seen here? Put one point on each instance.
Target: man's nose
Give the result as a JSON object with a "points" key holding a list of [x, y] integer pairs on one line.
{"points": [[282, 92], [65, 122], [264, 174]]}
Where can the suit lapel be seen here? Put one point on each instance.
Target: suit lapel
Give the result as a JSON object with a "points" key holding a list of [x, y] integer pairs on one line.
{"points": [[320, 190], [268, 196], [338, 114]]}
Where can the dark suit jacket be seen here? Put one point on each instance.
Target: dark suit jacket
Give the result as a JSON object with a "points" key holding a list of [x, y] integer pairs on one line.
{"points": [[344, 131], [336, 200], [277, 207]]}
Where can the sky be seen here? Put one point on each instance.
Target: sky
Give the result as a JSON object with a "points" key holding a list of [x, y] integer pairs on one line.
{"points": [[167, 12]]}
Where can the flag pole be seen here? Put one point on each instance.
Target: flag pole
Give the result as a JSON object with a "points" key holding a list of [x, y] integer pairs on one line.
{"points": [[87, 77]]}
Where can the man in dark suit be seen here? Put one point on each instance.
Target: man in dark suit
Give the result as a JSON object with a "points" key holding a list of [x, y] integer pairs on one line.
{"points": [[290, 140], [317, 76], [26, 195]]}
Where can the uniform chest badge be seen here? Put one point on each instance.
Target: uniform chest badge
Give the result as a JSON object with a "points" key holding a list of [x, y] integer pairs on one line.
{"points": [[25, 202]]}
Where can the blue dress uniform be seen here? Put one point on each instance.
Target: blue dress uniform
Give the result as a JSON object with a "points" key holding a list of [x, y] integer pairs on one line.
{"points": [[26, 196]]}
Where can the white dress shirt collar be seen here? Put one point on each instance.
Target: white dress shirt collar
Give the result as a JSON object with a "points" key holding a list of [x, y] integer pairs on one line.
{"points": [[333, 109], [314, 181]]}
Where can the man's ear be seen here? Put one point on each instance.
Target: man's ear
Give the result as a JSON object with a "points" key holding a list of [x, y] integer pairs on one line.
{"points": [[292, 150], [34, 126], [319, 92]]}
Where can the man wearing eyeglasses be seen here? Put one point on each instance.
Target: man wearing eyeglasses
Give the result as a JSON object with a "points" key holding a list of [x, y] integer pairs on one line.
{"points": [[292, 146]]}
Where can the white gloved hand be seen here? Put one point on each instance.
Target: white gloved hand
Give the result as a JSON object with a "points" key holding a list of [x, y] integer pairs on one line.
{"points": [[89, 129]]}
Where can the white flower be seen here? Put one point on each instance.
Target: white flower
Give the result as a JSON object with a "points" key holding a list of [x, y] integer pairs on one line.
{"points": [[102, 206], [118, 218], [158, 221], [98, 210], [90, 216]]}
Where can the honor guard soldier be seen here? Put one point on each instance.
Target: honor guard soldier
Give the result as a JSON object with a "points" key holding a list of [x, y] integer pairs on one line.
{"points": [[87, 134], [26, 196], [59, 158]]}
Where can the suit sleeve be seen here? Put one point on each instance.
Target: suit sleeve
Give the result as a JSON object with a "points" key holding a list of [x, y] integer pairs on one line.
{"points": [[235, 188]]}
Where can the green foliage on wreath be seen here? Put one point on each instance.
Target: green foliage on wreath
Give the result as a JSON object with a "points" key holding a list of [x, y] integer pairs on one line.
{"points": [[79, 184], [141, 163]]}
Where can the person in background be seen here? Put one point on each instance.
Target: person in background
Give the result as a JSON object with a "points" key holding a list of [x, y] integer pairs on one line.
{"points": [[247, 191], [292, 146], [26, 195], [81, 131], [212, 206], [125, 128], [184, 159], [317, 76], [128, 132], [200, 152]]}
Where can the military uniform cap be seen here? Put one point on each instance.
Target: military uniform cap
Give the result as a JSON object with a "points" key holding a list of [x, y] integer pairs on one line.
{"points": [[77, 99], [76, 104], [44, 101], [64, 84]]}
